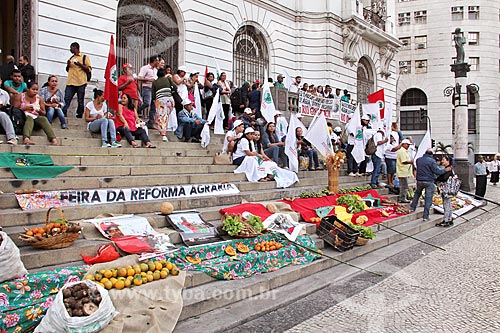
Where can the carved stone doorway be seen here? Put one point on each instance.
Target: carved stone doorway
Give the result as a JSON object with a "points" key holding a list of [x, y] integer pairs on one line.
{"points": [[146, 28], [365, 80], [15, 29]]}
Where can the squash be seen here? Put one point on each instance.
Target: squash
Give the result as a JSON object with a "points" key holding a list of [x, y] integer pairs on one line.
{"points": [[242, 248], [166, 208], [192, 260], [230, 251], [384, 213], [271, 207], [361, 220]]}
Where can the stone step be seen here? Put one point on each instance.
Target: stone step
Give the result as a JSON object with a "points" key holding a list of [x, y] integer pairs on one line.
{"points": [[222, 294], [16, 217]]}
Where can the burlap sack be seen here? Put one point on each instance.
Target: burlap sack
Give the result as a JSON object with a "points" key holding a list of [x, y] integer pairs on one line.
{"points": [[151, 308]]}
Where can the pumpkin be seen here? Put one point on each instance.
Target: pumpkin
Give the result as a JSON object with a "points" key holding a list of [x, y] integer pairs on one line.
{"points": [[166, 208], [384, 213], [230, 251], [242, 248], [361, 220], [192, 260], [271, 207]]}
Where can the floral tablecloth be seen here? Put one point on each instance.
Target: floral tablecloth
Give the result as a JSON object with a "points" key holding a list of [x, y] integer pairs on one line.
{"points": [[217, 264], [24, 301]]}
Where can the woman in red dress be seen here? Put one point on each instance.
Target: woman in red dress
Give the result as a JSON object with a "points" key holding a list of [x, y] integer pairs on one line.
{"points": [[126, 123]]}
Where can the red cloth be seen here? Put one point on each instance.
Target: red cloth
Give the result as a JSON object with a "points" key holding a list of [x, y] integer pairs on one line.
{"points": [[111, 77], [105, 253], [253, 208], [306, 207], [379, 98]]}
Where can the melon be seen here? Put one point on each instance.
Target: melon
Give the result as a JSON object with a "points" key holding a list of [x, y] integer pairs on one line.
{"points": [[166, 208], [271, 208]]}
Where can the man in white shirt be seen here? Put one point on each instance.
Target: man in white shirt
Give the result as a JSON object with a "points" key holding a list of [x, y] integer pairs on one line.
{"points": [[391, 154], [232, 136], [294, 87], [380, 141], [5, 121], [147, 75]]}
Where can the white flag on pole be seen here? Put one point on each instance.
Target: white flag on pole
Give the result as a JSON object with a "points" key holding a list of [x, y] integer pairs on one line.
{"points": [[319, 136], [281, 126], [425, 144], [267, 108], [388, 120], [213, 110], [354, 128], [373, 110], [218, 69], [219, 119], [288, 80], [291, 143], [197, 101]]}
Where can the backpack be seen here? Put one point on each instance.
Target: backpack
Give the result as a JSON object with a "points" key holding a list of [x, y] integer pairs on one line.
{"points": [[371, 146], [236, 97], [89, 73], [18, 119]]}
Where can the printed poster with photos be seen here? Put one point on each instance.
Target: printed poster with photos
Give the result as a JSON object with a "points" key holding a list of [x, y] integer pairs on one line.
{"points": [[461, 203], [192, 228]]}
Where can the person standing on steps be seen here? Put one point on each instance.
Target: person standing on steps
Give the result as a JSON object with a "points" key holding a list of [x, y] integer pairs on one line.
{"points": [[404, 170], [481, 177], [448, 210], [79, 71], [427, 170], [147, 75], [494, 170]]}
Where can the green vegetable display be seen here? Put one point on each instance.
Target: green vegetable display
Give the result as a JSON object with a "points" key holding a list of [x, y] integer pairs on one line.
{"points": [[354, 189], [364, 232], [256, 223], [353, 203], [232, 225]]}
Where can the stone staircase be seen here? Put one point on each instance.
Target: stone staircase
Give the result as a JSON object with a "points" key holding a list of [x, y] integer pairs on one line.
{"points": [[172, 163]]}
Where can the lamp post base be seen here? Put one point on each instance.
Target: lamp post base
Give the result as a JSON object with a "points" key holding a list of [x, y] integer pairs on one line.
{"points": [[465, 172]]}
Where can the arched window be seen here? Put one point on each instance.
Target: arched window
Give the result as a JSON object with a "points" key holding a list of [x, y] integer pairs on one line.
{"points": [[366, 84], [146, 28], [413, 108], [250, 56]]}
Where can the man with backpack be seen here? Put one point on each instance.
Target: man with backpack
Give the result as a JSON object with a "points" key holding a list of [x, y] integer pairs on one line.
{"points": [[380, 140], [5, 122], [79, 73]]}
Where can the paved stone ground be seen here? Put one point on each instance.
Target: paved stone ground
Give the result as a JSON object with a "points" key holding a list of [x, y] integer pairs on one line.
{"points": [[453, 291]]}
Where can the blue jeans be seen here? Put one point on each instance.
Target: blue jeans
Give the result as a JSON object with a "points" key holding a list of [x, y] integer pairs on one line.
{"points": [[429, 192], [57, 111], [377, 162], [352, 165], [146, 98], [275, 152], [69, 92], [104, 125]]}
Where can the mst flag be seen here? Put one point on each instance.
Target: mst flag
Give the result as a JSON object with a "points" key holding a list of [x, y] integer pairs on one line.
{"points": [[319, 136], [291, 143], [354, 128], [267, 108], [425, 144], [288, 80], [379, 98], [111, 78], [197, 101], [388, 120], [213, 110]]}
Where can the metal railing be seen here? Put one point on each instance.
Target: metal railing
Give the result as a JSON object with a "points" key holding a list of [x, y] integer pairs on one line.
{"points": [[374, 18]]}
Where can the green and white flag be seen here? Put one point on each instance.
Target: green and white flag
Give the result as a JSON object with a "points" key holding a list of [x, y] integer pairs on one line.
{"points": [[267, 106]]}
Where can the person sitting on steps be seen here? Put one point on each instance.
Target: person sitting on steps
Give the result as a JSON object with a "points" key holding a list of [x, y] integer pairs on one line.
{"points": [[98, 120], [54, 101], [34, 109], [126, 122], [190, 124]]}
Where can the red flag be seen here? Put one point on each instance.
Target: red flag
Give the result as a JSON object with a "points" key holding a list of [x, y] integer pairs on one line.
{"points": [[111, 78], [206, 73], [379, 98]]}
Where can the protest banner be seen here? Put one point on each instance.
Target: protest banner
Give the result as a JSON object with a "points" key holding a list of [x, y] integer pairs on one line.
{"points": [[346, 111], [310, 105], [103, 196]]}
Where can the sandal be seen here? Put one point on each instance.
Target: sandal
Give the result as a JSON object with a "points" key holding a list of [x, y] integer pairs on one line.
{"points": [[134, 144], [151, 146], [27, 141], [262, 180]]}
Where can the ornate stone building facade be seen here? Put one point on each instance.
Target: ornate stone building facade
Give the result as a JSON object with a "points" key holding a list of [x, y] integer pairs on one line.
{"points": [[348, 44]]}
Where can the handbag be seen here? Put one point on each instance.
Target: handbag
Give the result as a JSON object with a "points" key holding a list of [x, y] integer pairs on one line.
{"points": [[222, 158]]}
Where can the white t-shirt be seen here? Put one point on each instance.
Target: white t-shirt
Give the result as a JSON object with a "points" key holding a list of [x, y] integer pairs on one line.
{"points": [[294, 88], [389, 146], [94, 112], [494, 166], [380, 148], [4, 97], [230, 133], [243, 145]]}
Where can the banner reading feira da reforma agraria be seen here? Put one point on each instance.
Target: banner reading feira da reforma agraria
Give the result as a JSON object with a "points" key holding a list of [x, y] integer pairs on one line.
{"points": [[86, 197]]}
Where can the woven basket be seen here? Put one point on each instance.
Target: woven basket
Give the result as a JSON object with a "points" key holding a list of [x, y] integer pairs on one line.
{"points": [[361, 241], [247, 227], [59, 241]]}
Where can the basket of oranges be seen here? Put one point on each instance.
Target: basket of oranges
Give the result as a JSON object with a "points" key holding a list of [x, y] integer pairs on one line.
{"points": [[57, 234]]}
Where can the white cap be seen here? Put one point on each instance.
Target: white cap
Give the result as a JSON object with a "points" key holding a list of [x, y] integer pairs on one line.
{"points": [[337, 129], [182, 68], [248, 111], [237, 123], [186, 102], [249, 130], [365, 117], [406, 141]]}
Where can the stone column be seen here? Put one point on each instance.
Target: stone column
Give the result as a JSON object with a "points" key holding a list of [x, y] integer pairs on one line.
{"points": [[462, 166]]}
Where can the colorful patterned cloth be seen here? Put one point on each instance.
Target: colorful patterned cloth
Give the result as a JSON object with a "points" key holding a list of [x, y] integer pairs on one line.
{"points": [[217, 264], [24, 301]]}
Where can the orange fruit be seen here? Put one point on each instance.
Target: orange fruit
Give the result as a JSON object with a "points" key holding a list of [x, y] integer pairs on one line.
{"points": [[151, 266], [120, 284], [130, 272], [156, 275], [137, 280], [150, 277], [164, 273], [108, 285], [89, 277], [144, 267], [115, 272], [174, 271], [127, 283], [257, 247], [158, 266], [113, 281], [169, 265], [137, 269], [97, 276], [272, 248], [108, 273], [144, 280]]}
